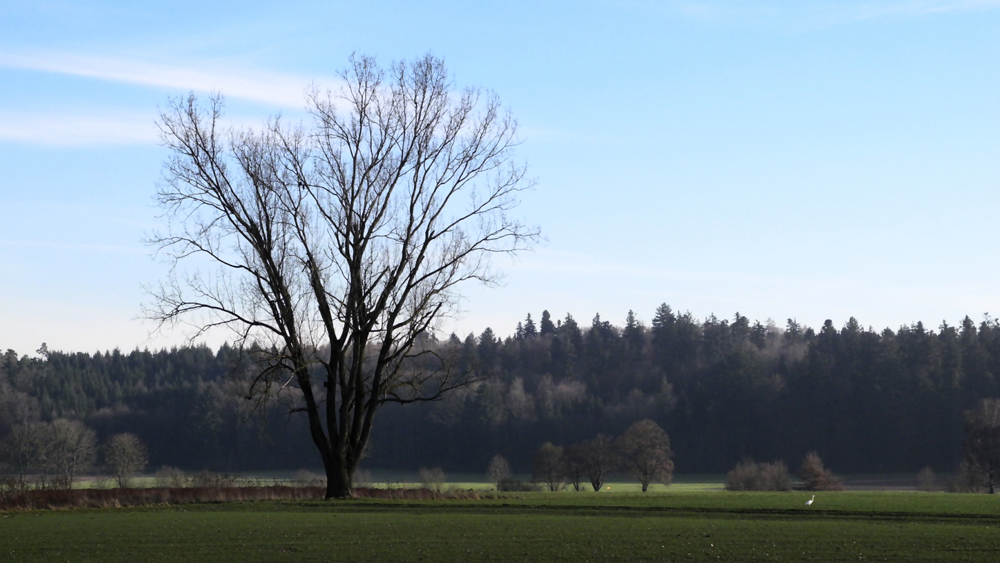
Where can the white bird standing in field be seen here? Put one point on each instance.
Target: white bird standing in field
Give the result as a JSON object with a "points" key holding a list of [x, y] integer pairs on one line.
{"points": [[810, 501]]}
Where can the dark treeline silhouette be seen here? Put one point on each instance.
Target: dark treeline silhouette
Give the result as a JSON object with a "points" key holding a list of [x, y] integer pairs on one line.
{"points": [[181, 403], [724, 390]]}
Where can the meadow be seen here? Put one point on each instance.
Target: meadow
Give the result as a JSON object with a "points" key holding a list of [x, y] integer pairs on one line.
{"points": [[675, 526]]}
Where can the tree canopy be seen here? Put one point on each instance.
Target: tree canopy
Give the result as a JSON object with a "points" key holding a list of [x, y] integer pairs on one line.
{"points": [[335, 248]]}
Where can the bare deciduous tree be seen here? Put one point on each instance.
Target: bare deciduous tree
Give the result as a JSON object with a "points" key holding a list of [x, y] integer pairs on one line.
{"points": [[547, 466], [498, 470], [339, 247], [25, 449], [72, 447], [125, 455], [645, 452], [982, 440], [599, 459], [574, 465], [432, 479]]}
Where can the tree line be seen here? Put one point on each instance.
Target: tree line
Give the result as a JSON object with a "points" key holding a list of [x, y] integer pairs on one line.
{"points": [[724, 390]]}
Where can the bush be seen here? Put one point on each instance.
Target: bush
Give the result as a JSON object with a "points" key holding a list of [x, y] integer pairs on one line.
{"points": [[210, 480], [751, 476], [498, 470], [968, 479], [362, 478], [431, 479], [815, 477], [927, 480], [306, 478], [510, 485], [776, 476], [170, 477]]}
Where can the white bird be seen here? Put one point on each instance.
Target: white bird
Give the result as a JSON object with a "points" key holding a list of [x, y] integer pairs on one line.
{"points": [[810, 501]]}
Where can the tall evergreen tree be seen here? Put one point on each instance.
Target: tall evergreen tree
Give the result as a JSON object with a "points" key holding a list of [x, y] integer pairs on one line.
{"points": [[546, 327], [529, 327]]}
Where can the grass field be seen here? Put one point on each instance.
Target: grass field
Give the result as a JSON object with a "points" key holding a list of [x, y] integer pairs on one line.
{"points": [[456, 481], [680, 526]]}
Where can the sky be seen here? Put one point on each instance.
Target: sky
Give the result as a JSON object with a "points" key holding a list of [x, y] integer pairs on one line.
{"points": [[817, 159]]}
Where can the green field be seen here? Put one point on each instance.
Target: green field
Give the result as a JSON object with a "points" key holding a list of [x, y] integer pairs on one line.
{"points": [[456, 481], [679, 526]]}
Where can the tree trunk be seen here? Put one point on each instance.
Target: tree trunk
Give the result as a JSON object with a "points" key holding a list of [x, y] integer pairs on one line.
{"points": [[339, 482], [645, 485]]}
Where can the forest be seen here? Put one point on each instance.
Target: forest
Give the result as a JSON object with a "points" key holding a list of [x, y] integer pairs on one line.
{"points": [[724, 390]]}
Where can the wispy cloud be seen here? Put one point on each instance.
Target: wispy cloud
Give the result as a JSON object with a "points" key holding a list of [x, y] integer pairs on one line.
{"points": [[77, 130], [867, 10], [283, 90], [75, 247], [816, 11]]}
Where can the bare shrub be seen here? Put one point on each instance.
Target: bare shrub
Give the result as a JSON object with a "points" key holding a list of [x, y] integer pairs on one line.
{"points": [[432, 479], [816, 477], [927, 480], [751, 476], [208, 480], [363, 478], [746, 476], [306, 478], [776, 476], [170, 477], [498, 470], [968, 479], [510, 485]]}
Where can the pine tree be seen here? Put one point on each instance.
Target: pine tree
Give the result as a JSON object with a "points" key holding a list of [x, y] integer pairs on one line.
{"points": [[529, 327], [547, 327]]}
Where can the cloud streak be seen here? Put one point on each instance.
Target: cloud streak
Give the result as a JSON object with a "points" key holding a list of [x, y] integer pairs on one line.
{"points": [[77, 130], [821, 11], [282, 90]]}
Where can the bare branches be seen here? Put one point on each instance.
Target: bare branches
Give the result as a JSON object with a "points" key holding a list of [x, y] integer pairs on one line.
{"points": [[337, 247]]}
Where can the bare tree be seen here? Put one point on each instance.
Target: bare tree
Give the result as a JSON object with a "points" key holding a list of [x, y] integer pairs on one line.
{"points": [[339, 248], [816, 477], [982, 440], [547, 466], [72, 447], [599, 459], [927, 480], [25, 449], [125, 455], [645, 451], [574, 465], [498, 470], [432, 479]]}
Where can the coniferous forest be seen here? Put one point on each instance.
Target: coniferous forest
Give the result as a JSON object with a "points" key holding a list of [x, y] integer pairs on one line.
{"points": [[724, 389]]}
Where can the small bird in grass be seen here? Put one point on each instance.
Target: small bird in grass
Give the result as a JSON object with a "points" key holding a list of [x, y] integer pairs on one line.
{"points": [[810, 501]]}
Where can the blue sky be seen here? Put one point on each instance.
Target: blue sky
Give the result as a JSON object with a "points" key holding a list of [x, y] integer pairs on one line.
{"points": [[815, 159]]}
